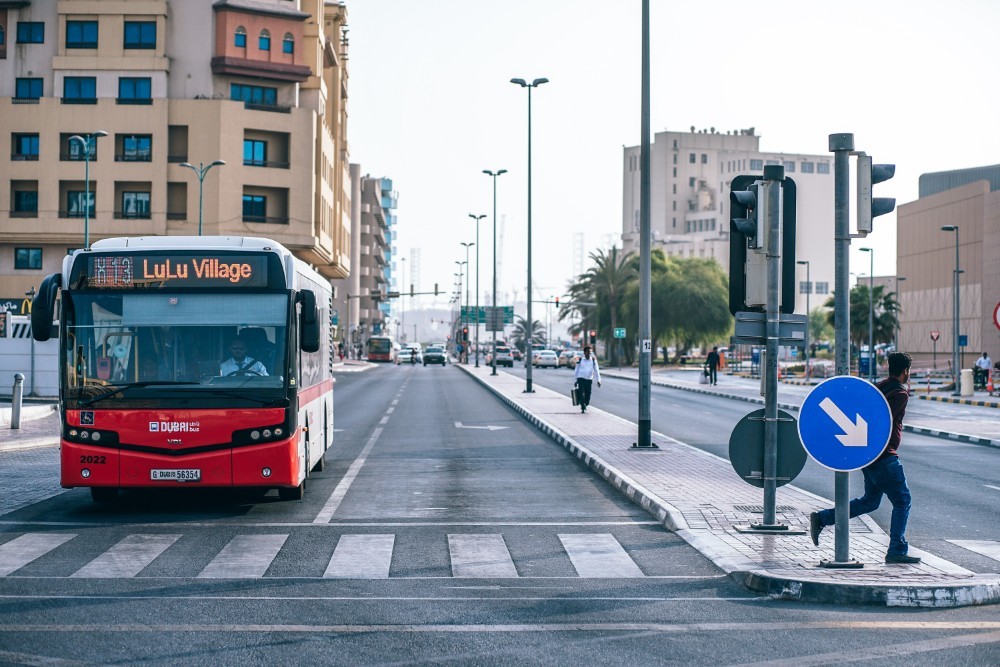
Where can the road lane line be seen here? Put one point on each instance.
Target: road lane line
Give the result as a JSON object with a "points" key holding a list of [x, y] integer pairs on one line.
{"points": [[384, 421], [990, 486], [988, 548], [361, 557], [390, 411], [599, 555], [480, 556], [333, 502], [246, 556], [128, 557], [22, 550]]}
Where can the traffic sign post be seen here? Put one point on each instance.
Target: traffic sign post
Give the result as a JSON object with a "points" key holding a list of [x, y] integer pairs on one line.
{"points": [[845, 424]]}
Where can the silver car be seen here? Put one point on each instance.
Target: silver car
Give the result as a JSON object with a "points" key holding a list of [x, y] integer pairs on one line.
{"points": [[546, 358]]}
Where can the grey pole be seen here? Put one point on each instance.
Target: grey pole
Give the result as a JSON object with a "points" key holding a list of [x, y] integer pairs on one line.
{"points": [[477, 218], [492, 319], [531, 328], [896, 344], [402, 301], [841, 146], [773, 176], [85, 142], [468, 318], [954, 325], [871, 313], [644, 439], [201, 170], [808, 294], [15, 401]]}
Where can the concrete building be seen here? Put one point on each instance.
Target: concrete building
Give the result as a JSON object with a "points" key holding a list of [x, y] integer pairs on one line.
{"points": [[690, 175], [926, 257], [260, 84]]}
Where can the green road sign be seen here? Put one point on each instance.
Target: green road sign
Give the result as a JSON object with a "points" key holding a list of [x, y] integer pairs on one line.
{"points": [[469, 315], [620, 332]]}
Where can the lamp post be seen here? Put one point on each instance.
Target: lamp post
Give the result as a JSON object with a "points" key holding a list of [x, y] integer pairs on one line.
{"points": [[468, 268], [955, 311], [524, 84], [808, 294], [896, 343], [493, 324], [86, 143], [477, 218], [402, 297], [461, 319], [201, 170], [871, 313]]}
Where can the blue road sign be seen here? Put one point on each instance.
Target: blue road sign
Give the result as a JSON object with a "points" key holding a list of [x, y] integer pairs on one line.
{"points": [[845, 423]]}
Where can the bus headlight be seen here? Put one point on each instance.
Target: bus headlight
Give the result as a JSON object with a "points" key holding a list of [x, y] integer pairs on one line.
{"points": [[255, 435], [85, 473]]}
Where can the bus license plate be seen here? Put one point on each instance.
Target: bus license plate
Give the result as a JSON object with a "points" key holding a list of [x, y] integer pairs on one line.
{"points": [[177, 475]]}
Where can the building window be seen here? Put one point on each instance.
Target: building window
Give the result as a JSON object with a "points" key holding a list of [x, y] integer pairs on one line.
{"points": [[135, 205], [28, 258], [675, 204], [704, 158], [789, 167], [140, 34], [73, 150], [756, 165], [240, 38], [81, 34], [30, 32], [675, 170], [808, 167], [80, 90], [823, 167], [822, 288], [288, 43], [26, 201], [675, 188], [691, 182], [254, 153], [134, 90], [136, 148], [74, 203], [804, 287], [674, 223], [675, 158], [264, 41], [254, 208], [692, 158], [28, 89], [254, 94], [3, 36], [24, 147]]}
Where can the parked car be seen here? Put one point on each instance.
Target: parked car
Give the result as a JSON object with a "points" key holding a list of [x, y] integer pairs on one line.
{"points": [[545, 358], [435, 355]]}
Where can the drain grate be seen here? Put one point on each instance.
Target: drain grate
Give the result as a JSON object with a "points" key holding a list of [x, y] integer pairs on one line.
{"points": [[759, 509]]}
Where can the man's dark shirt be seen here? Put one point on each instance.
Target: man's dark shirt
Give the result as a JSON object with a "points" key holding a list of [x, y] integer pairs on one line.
{"points": [[713, 359], [897, 396]]}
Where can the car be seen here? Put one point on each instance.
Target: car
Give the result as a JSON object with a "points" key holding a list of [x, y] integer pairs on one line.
{"points": [[504, 357], [414, 349], [404, 356], [545, 358], [568, 358], [435, 355], [516, 353]]}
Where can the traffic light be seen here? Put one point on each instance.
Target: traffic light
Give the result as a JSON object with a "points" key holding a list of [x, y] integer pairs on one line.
{"points": [[411, 289], [749, 220], [557, 303], [593, 337], [465, 334], [869, 207], [435, 289]]}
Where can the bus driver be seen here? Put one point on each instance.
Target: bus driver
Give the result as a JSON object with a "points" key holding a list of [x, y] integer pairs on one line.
{"points": [[240, 363]]}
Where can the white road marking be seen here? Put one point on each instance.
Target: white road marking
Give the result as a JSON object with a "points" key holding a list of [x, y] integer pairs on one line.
{"points": [[990, 486], [395, 401], [988, 548], [480, 556], [384, 420], [128, 557], [361, 557], [599, 555], [246, 556], [333, 502], [390, 411], [22, 550], [483, 428]]}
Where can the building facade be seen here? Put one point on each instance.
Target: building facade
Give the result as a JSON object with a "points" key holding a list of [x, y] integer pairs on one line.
{"points": [[690, 178], [258, 84]]}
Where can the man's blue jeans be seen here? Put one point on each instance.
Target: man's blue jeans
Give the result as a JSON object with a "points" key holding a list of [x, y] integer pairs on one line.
{"points": [[882, 477]]}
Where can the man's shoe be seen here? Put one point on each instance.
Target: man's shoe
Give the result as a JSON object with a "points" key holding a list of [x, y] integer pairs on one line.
{"points": [[901, 558], [815, 527]]}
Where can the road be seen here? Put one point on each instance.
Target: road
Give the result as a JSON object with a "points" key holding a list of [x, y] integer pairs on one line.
{"points": [[442, 529]]}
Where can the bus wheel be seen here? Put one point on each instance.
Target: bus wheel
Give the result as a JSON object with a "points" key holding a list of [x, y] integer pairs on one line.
{"points": [[103, 494], [295, 493], [320, 464]]}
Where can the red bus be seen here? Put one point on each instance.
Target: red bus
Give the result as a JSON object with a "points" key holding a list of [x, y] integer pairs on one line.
{"points": [[190, 361], [381, 348]]}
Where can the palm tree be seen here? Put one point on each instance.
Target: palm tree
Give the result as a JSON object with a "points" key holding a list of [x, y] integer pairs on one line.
{"points": [[605, 284], [519, 335], [886, 319]]}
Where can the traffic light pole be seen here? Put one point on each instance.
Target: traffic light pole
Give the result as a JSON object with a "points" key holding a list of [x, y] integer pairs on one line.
{"points": [[773, 176]]}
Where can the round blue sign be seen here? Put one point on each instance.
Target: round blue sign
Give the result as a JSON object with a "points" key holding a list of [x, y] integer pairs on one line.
{"points": [[845, 423]]}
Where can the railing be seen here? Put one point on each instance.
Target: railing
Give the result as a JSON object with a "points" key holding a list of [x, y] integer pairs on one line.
{"points": [[134, 158], [74, 214], [25, 100], [257, 106], [121, 215], [81, 45], [78, 100], [78, 157], [265, 163], [176, 216], [133, 100], [177, 158], [24, 214], [268, 219], [24, 158]]}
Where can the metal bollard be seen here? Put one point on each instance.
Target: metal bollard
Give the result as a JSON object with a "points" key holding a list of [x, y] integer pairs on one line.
{"points": [[15, 401]]}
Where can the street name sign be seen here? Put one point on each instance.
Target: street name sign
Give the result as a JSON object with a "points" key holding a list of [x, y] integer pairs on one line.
{"points": [[845, 423], [620, 332]]}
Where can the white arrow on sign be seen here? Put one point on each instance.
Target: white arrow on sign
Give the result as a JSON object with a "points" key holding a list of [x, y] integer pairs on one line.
{"points": [[855, 434], [484, 428]]}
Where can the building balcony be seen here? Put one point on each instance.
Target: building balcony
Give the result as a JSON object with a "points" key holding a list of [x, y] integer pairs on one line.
{"points": [[259, 69]]}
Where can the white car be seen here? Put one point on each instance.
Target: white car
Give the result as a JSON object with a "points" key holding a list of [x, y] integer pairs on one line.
{"points": [[546, 358]]}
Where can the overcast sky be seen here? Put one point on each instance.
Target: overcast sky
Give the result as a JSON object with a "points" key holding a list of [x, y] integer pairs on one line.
{"points": [[431, 106]]}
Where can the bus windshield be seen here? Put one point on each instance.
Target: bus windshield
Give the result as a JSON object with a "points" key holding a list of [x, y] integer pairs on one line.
{"points": [[379, 345], [160, 345]]}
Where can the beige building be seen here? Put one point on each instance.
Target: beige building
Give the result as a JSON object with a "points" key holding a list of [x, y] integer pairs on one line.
{"points": [[926, 257], [259, 84], [690, 177]]}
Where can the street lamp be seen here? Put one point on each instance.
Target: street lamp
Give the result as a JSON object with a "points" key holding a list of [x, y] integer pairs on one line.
{"points": [[468, 268], [524, 84], [477, 218], [201, 170], [493, 322], [871, 313], [898, 279], [402, 299], [458, 294], [954, 328], [809, 284], [86, 142]]}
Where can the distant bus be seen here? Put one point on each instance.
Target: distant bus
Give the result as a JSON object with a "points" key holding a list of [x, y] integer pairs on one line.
{"points": [[190, 361], [381, 348]]}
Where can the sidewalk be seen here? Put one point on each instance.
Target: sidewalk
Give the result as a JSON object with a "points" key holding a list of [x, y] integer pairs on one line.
{"points": [[700, 498], [39, 428]]}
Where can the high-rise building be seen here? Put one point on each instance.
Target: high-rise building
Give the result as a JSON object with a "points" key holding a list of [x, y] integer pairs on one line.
{"points": [[258, 84], [690, 177]]}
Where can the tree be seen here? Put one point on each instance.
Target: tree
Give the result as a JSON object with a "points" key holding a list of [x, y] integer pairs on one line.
{"points": [[604, 284], [886, 319], [519, 335]]}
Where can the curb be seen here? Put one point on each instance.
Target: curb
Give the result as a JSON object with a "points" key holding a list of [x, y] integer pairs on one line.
{"points": [[960, 401], [979, 591]]}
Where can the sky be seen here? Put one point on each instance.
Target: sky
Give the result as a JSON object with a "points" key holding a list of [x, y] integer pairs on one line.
{"points": [[431, 106]]}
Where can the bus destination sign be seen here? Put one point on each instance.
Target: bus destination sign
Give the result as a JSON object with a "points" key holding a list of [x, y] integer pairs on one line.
{"points": [[145, 271]]}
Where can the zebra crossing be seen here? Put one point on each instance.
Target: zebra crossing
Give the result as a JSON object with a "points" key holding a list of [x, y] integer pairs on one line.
{"points": [[355, 556]]}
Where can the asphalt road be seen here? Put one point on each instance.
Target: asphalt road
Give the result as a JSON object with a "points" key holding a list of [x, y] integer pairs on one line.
{"points": [[442, 530]]}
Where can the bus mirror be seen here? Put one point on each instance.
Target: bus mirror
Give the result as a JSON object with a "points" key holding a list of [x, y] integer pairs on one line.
{"points": [[43, 308], [309, 322]]}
